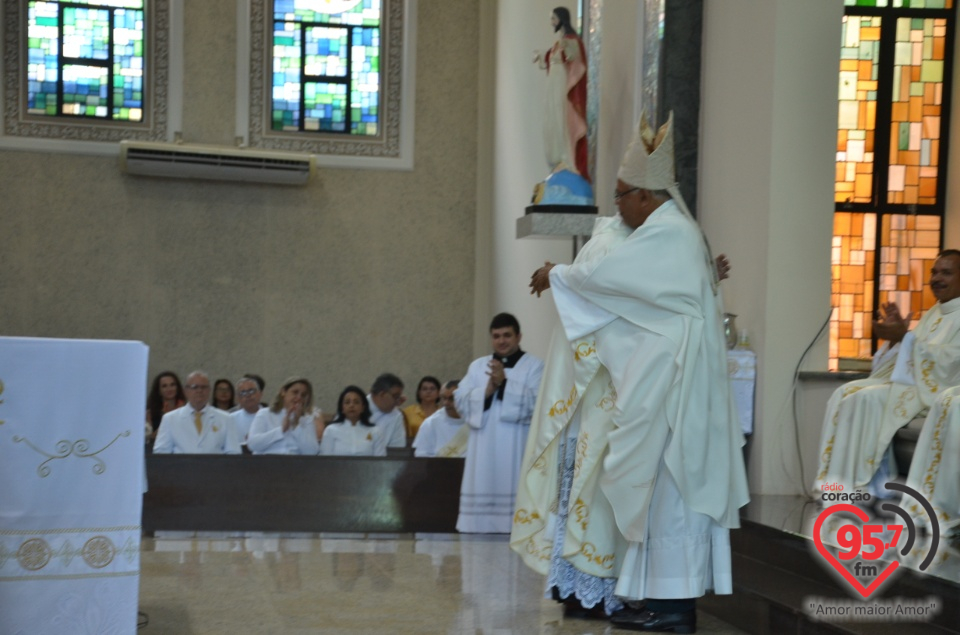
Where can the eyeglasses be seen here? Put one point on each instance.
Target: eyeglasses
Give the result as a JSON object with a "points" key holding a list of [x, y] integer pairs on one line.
{"points": [[618, 195], [247, 392], [197, 387]]}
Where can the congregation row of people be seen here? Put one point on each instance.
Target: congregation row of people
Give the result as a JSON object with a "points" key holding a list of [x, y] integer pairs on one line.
{"points": [[200, 417]]}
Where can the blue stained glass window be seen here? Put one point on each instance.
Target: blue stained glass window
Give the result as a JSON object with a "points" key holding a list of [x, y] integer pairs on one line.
{"points": [[86, 59], [326, 60]]}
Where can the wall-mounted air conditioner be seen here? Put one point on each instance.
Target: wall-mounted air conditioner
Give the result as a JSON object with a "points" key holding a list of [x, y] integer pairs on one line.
{"points": [[218, 163]]}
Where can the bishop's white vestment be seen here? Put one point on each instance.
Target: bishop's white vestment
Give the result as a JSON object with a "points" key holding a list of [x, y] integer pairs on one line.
{"points": [[498, 437], [862, 416], [659, 474]]}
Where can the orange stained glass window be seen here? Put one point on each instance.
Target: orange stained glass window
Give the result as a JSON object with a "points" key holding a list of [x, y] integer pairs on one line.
{"points": [[917, 98], [859, 57], [852, 269], [908, 248], [901, 4]]}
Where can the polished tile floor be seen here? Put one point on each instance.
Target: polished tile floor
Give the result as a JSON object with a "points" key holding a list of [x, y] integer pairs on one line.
{"points": [[333, 583]]}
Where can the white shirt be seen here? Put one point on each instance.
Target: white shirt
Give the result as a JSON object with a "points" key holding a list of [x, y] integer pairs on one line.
{"points": [[348, 439], [391, 423], [435, 432], [178, 433], [267, 435], [243, 421]]}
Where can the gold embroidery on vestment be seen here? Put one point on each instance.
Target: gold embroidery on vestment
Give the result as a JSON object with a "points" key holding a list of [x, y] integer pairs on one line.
{"points": [[899, 408], [934, 467], [561, 406], [589, 551], [584, 349], [609, 401], [525, 517], [582, 513], [926, 369]]}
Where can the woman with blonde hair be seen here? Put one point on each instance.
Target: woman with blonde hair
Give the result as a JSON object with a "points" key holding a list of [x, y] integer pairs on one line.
{"points": [[290, 425]]}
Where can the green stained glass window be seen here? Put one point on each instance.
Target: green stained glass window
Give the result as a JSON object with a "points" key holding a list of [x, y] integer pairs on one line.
{"points": [[326, 66], [86, 59]]}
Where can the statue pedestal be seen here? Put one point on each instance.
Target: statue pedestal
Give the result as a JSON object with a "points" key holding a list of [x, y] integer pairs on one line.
{"points": [[555, 224]]}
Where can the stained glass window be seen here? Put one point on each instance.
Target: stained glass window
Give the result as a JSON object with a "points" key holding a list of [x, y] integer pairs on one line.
{"points": [[852, 260], [894, 73], [915, 118], [901, 4], [859, 68], [326, 66], [86, 59]]}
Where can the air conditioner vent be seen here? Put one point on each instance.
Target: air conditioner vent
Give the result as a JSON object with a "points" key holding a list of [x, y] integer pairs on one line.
{"points": [[215, 163]]}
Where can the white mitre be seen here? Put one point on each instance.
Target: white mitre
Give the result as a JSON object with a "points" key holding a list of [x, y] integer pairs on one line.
{"points": [[648, 164], [648, 161]]}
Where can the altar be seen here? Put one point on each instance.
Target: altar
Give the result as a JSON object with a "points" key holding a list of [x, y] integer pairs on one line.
{"points": [[71, 461]]}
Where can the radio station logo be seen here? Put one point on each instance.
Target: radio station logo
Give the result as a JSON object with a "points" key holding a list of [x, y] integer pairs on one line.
{"points": [[865, 551]]}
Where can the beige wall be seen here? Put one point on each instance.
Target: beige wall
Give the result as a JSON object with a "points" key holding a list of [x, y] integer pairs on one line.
{"points": [[768, 147], [360, 272]]}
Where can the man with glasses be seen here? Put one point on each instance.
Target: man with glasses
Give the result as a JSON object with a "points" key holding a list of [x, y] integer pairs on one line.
{"points": [[248, 405], [385, 398], [198, 427]]}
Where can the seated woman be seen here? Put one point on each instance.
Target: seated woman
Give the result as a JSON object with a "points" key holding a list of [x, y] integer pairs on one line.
{"points": [[428, 402], [223, 395], [351, 433], [288, 426], [166, 394]]}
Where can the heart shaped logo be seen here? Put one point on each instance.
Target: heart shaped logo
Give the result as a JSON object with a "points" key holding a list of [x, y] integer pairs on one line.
{"points": [[865, 591]]}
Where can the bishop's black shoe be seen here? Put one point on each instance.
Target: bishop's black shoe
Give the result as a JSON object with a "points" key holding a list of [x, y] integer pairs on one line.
{"points": [[656, 621]]}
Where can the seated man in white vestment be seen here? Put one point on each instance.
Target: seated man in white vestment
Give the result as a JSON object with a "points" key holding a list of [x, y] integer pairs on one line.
{"points": [[248, 405], [385, 399], [198, 427], [935, 466], [909, 373], [659, 476], [443, 433], [496, 398]]}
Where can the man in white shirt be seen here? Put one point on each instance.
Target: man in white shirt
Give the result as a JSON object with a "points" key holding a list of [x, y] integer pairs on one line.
{"points": [[496, 398], [248, 405], [385, 398], [198, 427], [443, 433]]}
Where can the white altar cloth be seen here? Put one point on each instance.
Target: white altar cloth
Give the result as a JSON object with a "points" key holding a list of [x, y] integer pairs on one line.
{"points": [[71, 465]]}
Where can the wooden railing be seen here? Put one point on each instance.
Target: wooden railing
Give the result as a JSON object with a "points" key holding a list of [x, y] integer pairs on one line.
{"points": [[301, 494]]}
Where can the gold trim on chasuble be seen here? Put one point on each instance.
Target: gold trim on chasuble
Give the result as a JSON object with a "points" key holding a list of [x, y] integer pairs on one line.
{"points": [[926, 369], [589, 551], [828, 450]]}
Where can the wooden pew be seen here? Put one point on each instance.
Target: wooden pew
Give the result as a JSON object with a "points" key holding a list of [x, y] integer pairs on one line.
{"points": [[193, 492]]}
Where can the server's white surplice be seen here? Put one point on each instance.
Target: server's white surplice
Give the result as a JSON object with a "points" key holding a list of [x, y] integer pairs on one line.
{"points": [[71, 464]]}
